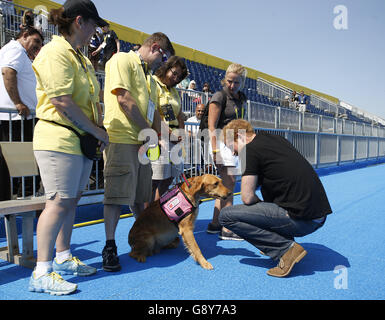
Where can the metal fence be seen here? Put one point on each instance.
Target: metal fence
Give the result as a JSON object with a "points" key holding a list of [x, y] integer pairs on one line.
{"points": [[95, 184], [11, 18], [319, 148], [266, 116], [320, 139]]}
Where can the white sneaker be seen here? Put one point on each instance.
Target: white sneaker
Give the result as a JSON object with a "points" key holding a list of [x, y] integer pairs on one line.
{"points": [[51, 283], [73, 266]]}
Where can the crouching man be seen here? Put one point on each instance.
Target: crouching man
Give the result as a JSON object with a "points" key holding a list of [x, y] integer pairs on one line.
{"points": [[294, 201]]}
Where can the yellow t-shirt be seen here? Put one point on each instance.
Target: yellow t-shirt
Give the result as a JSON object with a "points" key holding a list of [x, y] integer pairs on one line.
{"points": [[168, 97], [125, 71], [59, 72]]}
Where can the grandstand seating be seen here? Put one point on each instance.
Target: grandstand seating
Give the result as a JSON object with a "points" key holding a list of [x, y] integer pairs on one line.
{"points": [[202, 73]]}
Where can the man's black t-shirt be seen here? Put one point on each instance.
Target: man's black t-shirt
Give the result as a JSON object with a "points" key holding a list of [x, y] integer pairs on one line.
{"points": [[286, 177], [110, 39]]}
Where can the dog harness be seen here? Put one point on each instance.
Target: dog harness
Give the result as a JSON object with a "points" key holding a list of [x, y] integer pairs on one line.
{"points": [[175, 204]]}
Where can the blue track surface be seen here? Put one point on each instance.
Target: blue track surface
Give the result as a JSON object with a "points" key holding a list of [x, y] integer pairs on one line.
{"points": [[353, 237]]}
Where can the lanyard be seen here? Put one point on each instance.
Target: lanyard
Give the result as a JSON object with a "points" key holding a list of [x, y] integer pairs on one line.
{"points": [[242, 112], [147, 73], [83, 63]]}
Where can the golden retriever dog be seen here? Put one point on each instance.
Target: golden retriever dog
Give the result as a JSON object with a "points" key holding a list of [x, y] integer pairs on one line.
{"points": [[153, 230]]}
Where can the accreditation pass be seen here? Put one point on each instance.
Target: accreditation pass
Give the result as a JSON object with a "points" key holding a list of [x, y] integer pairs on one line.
{"points": [[150, 111]]}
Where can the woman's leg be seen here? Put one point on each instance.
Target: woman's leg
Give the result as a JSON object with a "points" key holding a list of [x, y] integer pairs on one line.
{"points": [[64, 177], [54, 220], [229, 182], [63, 241]]}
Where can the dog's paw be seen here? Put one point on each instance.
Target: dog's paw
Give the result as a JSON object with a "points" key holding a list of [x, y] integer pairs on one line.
{"points": [[206, 265], [137, 257], [141, 259]]}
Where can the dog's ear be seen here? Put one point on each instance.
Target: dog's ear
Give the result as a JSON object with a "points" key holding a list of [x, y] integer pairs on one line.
{"points": [[196, 184]]}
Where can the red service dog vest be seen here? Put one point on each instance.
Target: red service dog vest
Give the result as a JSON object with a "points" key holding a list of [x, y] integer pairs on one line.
{"points": [[175, 204]]}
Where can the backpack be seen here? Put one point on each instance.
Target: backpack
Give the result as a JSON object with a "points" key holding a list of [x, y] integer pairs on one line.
{"points": [[221, 121]]}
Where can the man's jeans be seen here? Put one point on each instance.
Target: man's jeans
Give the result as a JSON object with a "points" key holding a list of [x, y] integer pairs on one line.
{"points": [[266, 226]]}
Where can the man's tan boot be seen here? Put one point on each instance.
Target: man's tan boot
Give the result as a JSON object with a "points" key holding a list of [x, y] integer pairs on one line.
{"points": [[287, 261]]}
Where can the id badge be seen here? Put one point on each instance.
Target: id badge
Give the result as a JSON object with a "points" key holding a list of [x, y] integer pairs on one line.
{"points": [[168, 112], [150, 110]]}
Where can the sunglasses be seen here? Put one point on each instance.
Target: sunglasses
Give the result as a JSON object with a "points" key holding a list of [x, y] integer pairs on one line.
{"points": [[164, 55]]}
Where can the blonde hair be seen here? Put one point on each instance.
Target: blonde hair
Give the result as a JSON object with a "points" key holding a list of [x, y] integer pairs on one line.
{"points": [[236, 125], [237, 69]]}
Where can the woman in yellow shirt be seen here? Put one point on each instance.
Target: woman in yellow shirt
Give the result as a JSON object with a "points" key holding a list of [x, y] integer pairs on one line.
{"points": [[167, 77], [67, 92]]}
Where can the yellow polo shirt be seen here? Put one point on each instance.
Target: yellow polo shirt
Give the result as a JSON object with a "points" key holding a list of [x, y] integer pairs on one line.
{"points": [[170, 97], [125, 71], [59, 72]]}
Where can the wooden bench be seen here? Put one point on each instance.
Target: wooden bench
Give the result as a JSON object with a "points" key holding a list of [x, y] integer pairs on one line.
{"points": [[21, 163], [26, 208]]}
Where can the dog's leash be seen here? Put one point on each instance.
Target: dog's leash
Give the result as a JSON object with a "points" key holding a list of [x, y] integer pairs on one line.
{"points": [[185, 180]]}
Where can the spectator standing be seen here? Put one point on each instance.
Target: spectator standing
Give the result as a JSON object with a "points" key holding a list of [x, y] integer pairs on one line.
{"points": [[206, 88], [294, 100], [294, 201], [131, 100], [224, 106], [95, 42], [195, 147], [28, 19], [6, 7], [302, 102], [110, 44], [17, 92], [192, 85], [199, 111], [7, 10], [67, 92], [166, 168]]}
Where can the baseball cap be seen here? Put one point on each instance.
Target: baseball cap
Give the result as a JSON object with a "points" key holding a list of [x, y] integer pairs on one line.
{"points": [[84, 8]]}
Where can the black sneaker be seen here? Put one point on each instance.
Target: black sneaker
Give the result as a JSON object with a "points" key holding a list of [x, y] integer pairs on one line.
{"points": [[229, 235], [110, 259], [212, 228]]}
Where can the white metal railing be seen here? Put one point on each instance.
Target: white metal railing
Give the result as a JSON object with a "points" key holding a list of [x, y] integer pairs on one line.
{"points": [[95, 184], [331, 149], [262, 115], [319, 148], [11, 18], [322, 140], [272, 90]]}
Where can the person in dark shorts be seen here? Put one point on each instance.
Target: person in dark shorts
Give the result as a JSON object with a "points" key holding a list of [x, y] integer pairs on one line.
{"points": [[294, 201]]}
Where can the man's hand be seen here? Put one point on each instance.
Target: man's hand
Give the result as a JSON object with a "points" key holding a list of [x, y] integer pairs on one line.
{"points": [[23, 110]]}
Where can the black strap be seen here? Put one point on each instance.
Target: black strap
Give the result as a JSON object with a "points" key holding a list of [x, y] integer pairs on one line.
{"points": [[65, 126], [184, 195]]}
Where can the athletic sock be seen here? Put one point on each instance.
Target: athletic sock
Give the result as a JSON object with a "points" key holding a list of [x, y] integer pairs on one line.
{"points": [[63, 256], [42, 268]]}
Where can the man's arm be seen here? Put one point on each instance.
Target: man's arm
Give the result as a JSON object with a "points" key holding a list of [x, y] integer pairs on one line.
{"points": [[10, 84], [130, 109], [248, 187]]}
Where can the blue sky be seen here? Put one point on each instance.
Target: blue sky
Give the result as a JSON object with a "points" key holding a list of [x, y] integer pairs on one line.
{"points": [[294, 40]]}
